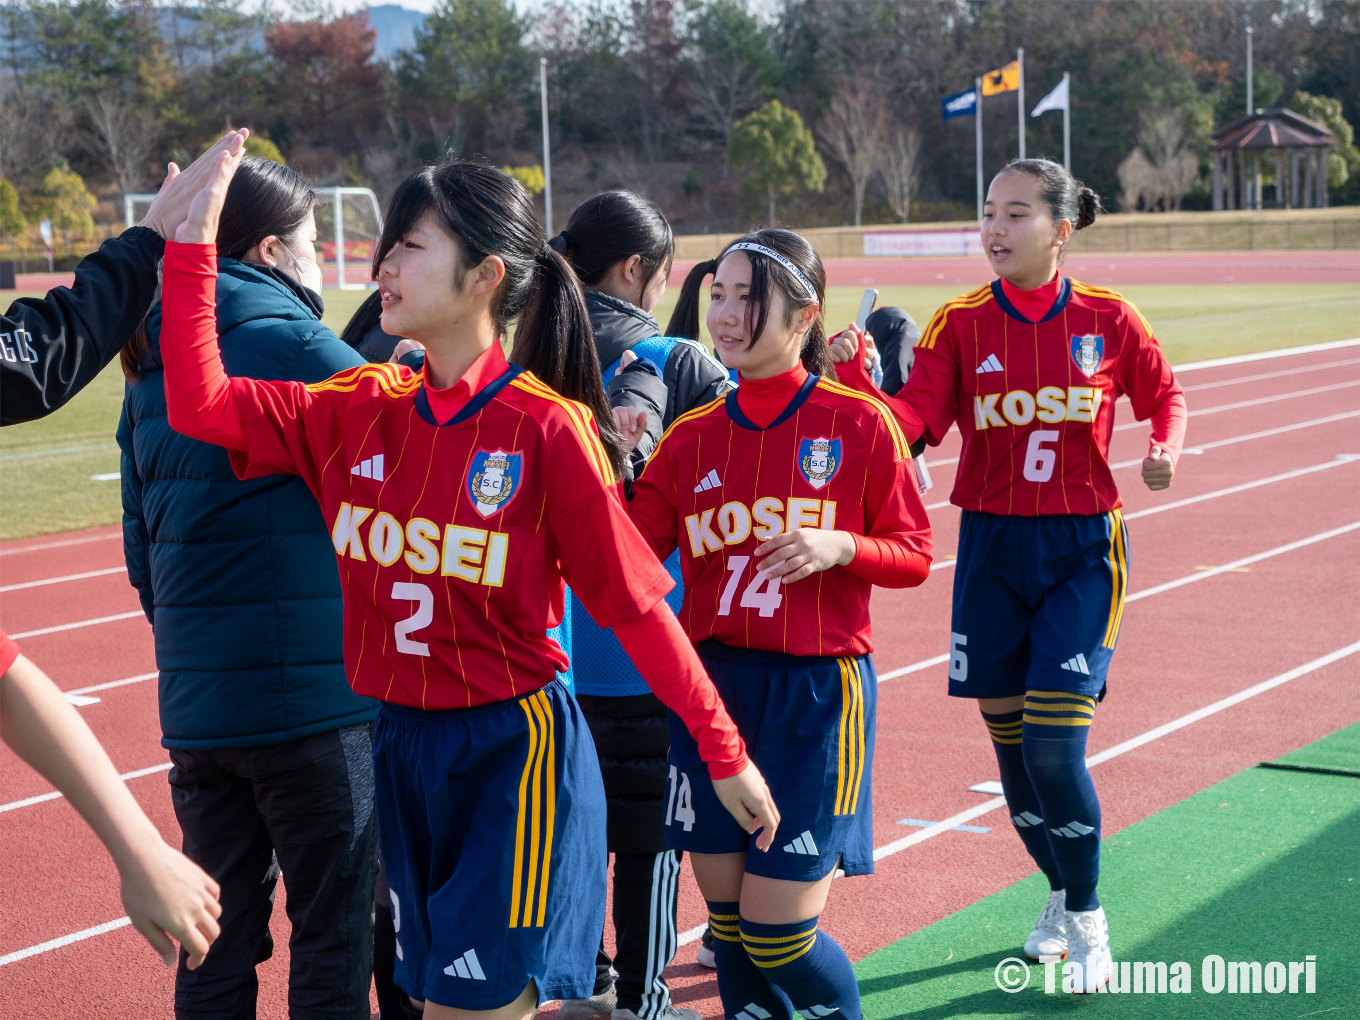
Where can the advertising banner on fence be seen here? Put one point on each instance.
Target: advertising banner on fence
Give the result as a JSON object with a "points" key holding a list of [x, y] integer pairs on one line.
{"points": [[923, 242]]}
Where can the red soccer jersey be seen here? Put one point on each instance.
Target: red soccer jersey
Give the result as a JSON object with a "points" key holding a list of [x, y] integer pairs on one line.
{"points": [[453, 539], [718, 486], [1035, 400]]}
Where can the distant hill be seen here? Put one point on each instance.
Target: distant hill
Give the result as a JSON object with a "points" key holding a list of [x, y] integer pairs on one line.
{"points": [[396, 27]]}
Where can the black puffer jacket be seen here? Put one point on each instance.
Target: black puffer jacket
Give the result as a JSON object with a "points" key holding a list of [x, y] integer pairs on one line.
{"points": [[630, 732]]}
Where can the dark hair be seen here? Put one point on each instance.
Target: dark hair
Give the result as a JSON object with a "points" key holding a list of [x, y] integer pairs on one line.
{"points": [[365, 317], [765, 273], [611, 227], [264, 199], [488, 212], [1066, 197]]}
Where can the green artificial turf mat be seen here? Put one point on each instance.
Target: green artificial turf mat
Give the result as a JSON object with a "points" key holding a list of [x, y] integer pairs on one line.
{"points": [[1338, 754], [1264, 866]]}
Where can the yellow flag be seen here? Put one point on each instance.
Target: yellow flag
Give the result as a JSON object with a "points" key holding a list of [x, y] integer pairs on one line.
{"points": [[1003, 79]]}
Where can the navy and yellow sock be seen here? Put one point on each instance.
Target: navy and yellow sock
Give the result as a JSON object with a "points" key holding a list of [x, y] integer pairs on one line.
{"points": [[1053, 742], [745, 991], [1022, 803], [807, 964]]}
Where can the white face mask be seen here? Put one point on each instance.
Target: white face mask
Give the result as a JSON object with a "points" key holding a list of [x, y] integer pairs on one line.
{"points": [[309, 273]]}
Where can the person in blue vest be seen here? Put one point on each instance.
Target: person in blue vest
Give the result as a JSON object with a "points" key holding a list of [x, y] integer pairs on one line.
{"points": [[271, 750], [621, 247]]}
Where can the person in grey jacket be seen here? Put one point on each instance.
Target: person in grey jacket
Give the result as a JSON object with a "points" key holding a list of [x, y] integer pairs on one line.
{"points": [[271, 749]]}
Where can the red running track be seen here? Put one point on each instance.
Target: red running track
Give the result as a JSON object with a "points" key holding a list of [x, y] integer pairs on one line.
{"points": [[1181, 649]]}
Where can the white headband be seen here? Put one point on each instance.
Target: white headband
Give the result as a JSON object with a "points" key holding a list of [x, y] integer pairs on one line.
{"points": [[797, 273]]}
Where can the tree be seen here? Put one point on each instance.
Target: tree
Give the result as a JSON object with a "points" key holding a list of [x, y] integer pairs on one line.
{"points": [[328, 63], [470, 70], [780, 151], [901, 168], [1162, 167], [855, 129], [729, 64], [12, 222], [63, 199], [530, 176], [126, 132], [259, 145], [1343, 162]]}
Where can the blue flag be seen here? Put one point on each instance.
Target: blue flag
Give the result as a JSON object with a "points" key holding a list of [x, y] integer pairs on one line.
{"points": [[960, 104]]}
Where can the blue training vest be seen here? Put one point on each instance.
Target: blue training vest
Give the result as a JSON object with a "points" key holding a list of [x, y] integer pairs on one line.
{"points": [[605, 668]]}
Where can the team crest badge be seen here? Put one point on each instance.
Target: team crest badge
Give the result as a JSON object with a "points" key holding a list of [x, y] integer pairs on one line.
{"points": [[819, 460], [1087, 352], [493, 480]]}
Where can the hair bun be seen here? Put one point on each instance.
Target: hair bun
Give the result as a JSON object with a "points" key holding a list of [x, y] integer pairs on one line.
{"points": [[1088, 208], [560, 243]]}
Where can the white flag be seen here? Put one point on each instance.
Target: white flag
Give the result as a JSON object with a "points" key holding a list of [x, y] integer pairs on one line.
{"points": [[1055, 100]]}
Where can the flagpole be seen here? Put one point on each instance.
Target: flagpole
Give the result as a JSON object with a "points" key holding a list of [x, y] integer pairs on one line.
{"points": [[547, 152], [977, 94], [1067, 123], [1020, 107]]}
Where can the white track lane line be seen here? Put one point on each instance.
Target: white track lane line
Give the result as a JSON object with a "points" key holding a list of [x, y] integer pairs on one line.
{"points": [[81, 623], [1198, 575], [58, 545], [988, 806], [920, 836], [1270, 375], [1231, 440], [1279, 352], [1230, 490], [114, 683], [67, 577], [43, 798], [65, 940]]}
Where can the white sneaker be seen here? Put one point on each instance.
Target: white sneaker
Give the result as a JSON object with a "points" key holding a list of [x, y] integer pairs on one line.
{"points": [[1048, 940], [1088, 943], [707, 959]]}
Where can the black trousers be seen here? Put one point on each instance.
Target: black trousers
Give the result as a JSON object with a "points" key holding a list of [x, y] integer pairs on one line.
{"points": [[303, 809], [645, 887]]}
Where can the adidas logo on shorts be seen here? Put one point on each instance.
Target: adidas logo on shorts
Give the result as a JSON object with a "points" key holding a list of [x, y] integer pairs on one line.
{"points": [[466, 966], [991, 363], [709, 481], [803, 845], [752, 1012], [1077, 664], [1073, 830]]}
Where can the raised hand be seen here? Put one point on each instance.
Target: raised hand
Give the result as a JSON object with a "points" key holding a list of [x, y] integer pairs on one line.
{"points": [[171, 204], [205, 204], [748, 800]]}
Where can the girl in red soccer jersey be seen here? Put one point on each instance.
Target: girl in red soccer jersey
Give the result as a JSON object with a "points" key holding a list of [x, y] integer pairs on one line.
{"points": [[1029, 368], [788, 499], [459, 499]]}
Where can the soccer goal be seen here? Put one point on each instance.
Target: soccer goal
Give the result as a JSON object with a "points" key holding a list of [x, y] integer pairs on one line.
{"points": [[348, 225]]}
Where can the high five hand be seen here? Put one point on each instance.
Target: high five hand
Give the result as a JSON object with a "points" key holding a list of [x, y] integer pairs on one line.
{"points": [[205, 207]]}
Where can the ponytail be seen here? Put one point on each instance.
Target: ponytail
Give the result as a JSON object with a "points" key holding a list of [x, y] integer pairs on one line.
{"points": [[488, 212], [554, 341], [685, 319]]}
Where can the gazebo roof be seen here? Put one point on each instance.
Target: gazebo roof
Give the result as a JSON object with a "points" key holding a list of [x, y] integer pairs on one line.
{"points": [[1272, 129]]}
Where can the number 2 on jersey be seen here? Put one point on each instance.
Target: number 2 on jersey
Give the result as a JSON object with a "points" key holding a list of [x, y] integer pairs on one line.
{"points": [[680, 806], [762, 593], [424, 599]]}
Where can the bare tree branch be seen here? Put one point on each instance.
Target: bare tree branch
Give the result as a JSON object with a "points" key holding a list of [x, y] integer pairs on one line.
{"points": [[126, 133], [855, 129], [901, 168]]}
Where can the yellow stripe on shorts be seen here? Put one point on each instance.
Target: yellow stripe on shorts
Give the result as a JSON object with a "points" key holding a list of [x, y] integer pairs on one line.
{"points": [[537, 817], [1119, 571], [850, 748]]}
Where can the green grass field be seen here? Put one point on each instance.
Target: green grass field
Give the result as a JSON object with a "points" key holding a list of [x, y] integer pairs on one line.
{"points": [[46, 466], [1260, 867]]}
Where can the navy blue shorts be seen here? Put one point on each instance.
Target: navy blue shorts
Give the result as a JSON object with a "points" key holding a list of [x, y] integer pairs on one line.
{"points": [[808, 723], [1037, 603], [493, 836]]}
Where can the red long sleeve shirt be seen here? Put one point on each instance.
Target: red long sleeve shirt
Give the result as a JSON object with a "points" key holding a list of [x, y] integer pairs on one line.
{"points": [[721, 483], [454, 520], [1034, 398]]}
